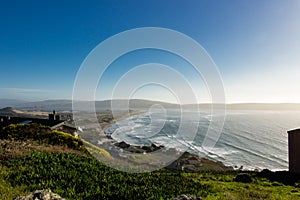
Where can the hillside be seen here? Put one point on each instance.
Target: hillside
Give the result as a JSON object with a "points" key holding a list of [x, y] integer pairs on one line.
{"points": [[49, 105], [10, 102], [14, 112], [141, 104], [9, 111], [33, 157]]}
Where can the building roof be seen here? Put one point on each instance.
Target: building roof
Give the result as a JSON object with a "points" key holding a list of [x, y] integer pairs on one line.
{"points": [[25, 122], [66, 124], [294, 131]]}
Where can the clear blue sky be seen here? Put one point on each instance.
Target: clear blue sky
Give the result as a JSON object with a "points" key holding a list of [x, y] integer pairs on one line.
{"points": [[254, 43]]}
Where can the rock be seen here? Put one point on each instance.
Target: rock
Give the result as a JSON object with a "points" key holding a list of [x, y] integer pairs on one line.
{"points": [[186, 197], [41, 195], [187, 162], [151, 148], [243, 178], [107, 119], [123, 145], [135, 149], [171, 151], [146, 148], [154, 147]]}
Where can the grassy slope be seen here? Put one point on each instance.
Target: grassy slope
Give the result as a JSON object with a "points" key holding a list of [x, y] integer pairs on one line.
{"points": [[78, 177], [69, 171]]}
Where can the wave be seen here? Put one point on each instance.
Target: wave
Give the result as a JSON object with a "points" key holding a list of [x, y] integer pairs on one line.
{"points": [[251, 139]]}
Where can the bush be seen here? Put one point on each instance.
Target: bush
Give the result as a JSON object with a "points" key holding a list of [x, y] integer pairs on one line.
{"points": [[42, 134], [24, 132]]}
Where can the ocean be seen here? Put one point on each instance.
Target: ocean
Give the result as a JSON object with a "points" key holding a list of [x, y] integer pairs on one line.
{"points": [[249, 139]]}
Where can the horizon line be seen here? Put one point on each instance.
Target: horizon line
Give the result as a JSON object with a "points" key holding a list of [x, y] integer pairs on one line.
{"points": [[155, 100]]}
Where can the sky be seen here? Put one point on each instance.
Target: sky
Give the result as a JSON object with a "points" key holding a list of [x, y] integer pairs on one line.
{"points": [[255, 45]]}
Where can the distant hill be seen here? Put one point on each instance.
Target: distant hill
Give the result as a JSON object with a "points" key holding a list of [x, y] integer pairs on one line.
{"points": [[10, 111], [66, 105], [7, 109], [13, 112], [10, 102], [49, 105], [134, 104]]}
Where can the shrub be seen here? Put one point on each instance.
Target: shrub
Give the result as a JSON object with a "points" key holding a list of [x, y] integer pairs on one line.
{"points": [[42, 134]]}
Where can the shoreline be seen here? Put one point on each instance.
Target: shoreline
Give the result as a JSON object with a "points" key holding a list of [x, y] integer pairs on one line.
{"points": [[186, 162]]}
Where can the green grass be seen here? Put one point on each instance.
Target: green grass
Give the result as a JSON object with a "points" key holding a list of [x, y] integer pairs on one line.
{"points": [[96, 151], [225, 188], [7, 191], [77, 175]]}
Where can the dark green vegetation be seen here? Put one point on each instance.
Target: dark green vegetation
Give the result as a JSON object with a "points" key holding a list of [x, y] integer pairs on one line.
{"points": [[76, 177], [74, 174], [42, 135]]}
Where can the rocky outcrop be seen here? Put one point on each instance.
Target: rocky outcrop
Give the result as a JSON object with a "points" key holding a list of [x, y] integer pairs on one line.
{"points": [[194, 163], [122, 145], [152, 148], [186, 162], [137, 149], [186, 197], [41, 195]]}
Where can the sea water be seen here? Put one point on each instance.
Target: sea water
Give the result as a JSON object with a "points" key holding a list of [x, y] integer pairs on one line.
{"points": [[249, 139]]}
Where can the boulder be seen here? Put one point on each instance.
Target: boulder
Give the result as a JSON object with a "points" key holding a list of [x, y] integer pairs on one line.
{"points": [[107, 119], [123, 145], [243, 178], [146, 148], [41, 195], [154, 147]]}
